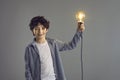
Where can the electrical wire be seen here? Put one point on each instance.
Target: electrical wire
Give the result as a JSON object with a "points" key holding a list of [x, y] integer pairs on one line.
{"points": [[81, 56]]}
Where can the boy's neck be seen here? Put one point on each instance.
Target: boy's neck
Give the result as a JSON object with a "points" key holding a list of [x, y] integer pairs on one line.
{"points": [[40, 40]]}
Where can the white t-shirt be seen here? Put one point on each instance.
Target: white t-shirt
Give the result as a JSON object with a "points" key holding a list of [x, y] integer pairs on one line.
{"points": [[47, 70]]}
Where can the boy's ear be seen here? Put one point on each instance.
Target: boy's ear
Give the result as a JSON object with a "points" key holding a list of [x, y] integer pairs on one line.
{"points": [[47, 30], [33, 31]]}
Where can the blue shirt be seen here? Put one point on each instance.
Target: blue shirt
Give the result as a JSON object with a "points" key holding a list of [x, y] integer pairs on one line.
{"points": [[33, 63]]}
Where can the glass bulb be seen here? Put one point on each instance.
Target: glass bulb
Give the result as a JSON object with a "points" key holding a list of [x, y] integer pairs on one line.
{"points": [[80, 16]]}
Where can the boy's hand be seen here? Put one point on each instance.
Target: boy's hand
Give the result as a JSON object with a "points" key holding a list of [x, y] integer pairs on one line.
{"points": [[81, 26]]}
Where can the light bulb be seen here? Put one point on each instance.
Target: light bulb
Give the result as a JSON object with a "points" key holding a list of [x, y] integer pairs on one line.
{"points": [[80, 16]]}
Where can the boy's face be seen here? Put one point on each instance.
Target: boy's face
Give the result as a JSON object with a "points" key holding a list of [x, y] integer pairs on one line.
{"points": [[40, 31]]}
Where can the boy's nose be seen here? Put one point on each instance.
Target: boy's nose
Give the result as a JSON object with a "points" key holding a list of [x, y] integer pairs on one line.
{"points": [[40, 31]]}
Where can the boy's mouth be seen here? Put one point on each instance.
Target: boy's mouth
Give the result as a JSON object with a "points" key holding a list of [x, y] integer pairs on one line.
{"points": [[40, 34]]}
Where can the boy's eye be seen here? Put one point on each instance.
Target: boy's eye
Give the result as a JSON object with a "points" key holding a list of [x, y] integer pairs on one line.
{"points": [[43, 28], [36, 29]]}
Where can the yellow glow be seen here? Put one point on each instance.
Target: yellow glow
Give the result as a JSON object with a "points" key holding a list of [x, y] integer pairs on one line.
{"points": [[80, 16]]}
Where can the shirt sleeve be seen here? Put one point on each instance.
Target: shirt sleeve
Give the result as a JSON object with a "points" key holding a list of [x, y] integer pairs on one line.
{"points": [[63, 46], [27, 67]]}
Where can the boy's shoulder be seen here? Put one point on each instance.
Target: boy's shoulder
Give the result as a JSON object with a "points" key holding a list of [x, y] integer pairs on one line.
{"points": [[50, 40], [29, 45]]}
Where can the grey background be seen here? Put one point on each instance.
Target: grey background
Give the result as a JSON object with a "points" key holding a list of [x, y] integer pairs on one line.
{"points": [[101, 50]]}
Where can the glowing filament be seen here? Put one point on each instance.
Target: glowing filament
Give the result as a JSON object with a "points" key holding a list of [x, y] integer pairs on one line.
{"points": [[80, 16]]}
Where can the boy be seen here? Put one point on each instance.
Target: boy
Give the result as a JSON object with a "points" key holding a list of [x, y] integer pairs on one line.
{"points": [[42, 60]]}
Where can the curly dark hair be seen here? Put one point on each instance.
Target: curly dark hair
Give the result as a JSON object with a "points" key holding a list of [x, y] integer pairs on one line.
{"points": [[38, 20]]}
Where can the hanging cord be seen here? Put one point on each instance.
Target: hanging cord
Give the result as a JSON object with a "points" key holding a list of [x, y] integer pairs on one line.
{"points": [[81, 53], [81, 56], [81, 49]]}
